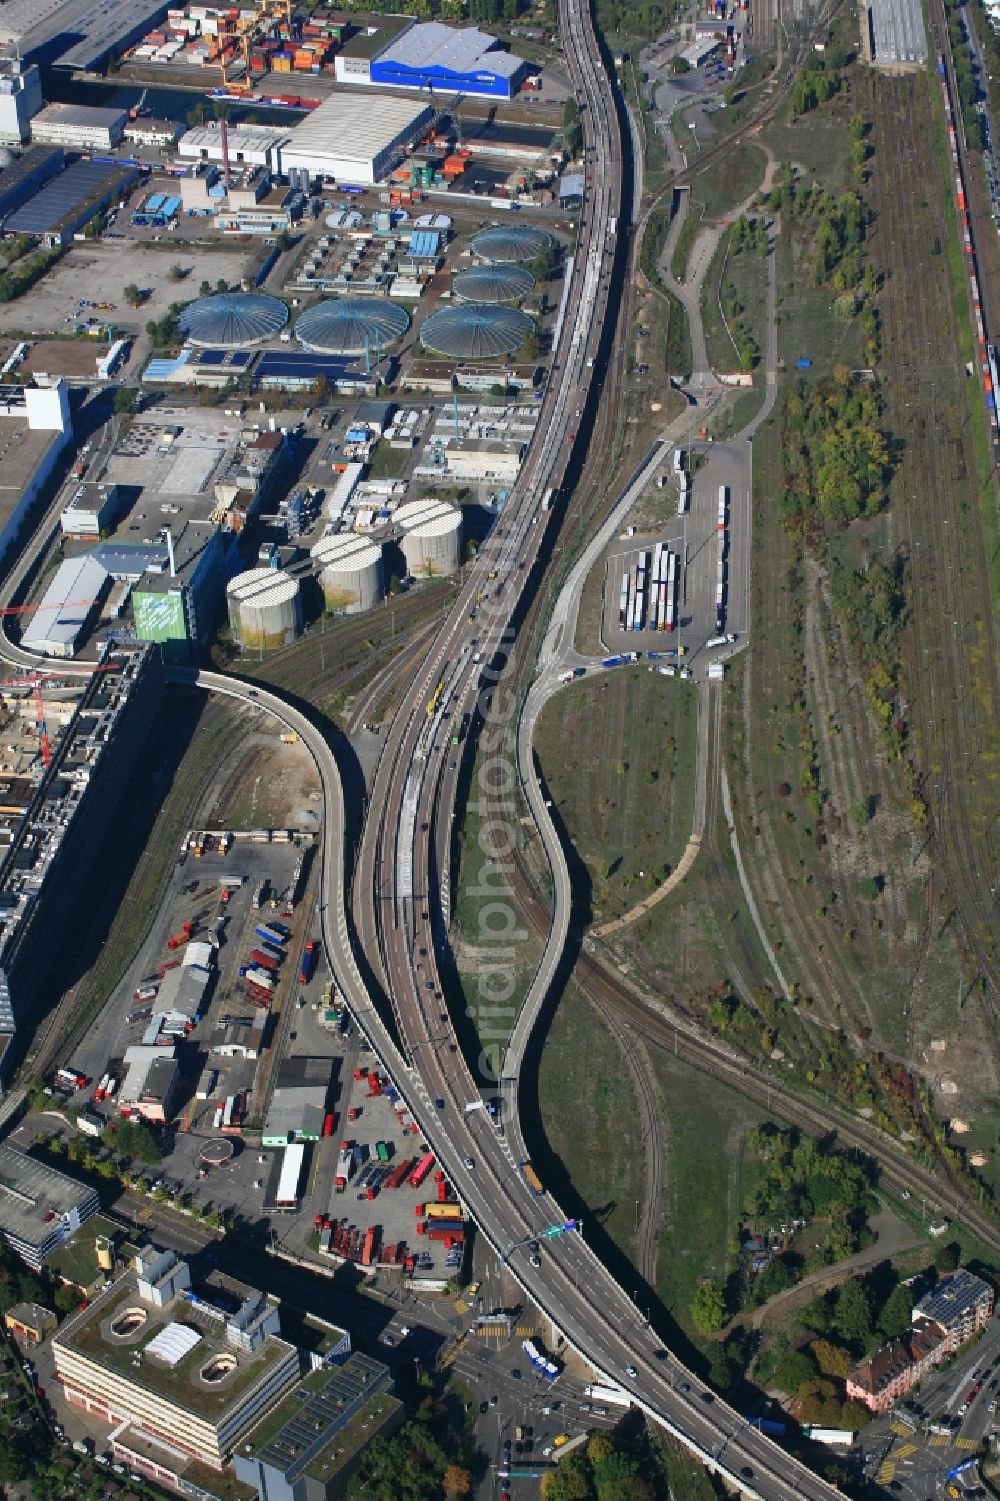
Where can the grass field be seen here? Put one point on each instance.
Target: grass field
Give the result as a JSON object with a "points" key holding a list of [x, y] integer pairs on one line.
{"points": [[617, 754], [591, 1118], [734, 281], [706, 1125], [729, 180]]}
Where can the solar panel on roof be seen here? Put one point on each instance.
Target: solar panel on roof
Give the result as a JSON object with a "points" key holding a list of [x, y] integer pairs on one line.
{"points": [[212, 356]]}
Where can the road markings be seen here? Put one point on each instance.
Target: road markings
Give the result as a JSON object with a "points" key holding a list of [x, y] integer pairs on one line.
{"points": [[939, 1441], [904, 1450], [885, 1472], [900, 1429], [966, 1443]]}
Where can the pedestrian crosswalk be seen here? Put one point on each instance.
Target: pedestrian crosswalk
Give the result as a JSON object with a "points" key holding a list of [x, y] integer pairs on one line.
{"points": [[903, 1451], [886, 1472], [939, 1441], [900, 1429], [967, 1443]]}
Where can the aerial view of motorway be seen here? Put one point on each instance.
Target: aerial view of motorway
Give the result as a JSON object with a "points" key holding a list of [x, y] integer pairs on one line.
{"points": [[499, 959]]}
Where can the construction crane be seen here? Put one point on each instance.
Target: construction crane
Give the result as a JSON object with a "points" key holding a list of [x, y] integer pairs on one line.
{"points": [[34, 681], [62, 604]]}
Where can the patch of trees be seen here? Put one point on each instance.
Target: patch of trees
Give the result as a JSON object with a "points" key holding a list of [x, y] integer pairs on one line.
{"points": [[965, 82], [572, 129], [22, 276], [165, 332], [610, 1468], [835, 454], [425, 1460], [633, 20], [803, 1178], [818, 81]]}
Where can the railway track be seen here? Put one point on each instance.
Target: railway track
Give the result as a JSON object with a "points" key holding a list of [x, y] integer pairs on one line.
{"points": [[952, 598], [612, 994]]}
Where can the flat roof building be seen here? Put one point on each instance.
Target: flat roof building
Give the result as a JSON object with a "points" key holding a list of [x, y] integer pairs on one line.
{"points": [[440, 58], [962, 1304], [151, 1356], [894, 35], [71, 200], [306, 1449], [151, 1082], [20, 98], [79, 126], [76, 33], [29, 171], [39, 1207], [64, 614], [50, 850], [30, 1322], [35, 427], [490, 460], [299, 1100], [355, 138]]}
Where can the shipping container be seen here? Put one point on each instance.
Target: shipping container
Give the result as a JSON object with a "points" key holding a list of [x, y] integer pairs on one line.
{"points": [[421, 1170]]}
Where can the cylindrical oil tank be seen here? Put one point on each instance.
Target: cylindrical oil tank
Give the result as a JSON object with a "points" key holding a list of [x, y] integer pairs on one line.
{"points": [[265, 608], [431, 536], [350, 572], [105, 1254]]}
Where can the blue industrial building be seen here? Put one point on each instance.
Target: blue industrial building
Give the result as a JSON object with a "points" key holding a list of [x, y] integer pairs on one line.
{"points": [[447, 60]]}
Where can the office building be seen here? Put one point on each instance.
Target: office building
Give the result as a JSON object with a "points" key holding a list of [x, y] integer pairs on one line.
{"points": [[79, 126], [53, 844], [184, 1380], [39, 1207], [307, 1448]]}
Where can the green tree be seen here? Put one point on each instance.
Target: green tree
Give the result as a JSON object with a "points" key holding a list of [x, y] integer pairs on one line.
{"points": [[125, 399], [572, 131], [897, 1311], [66, 1299], [708, 1308], [946, 1257], [833, 1360], [853, 1315], [793, 1370]]}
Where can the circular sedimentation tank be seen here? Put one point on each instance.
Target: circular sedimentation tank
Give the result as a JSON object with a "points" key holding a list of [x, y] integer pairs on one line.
{"points": [[233, 320], [476, 331], [431, 537], [349, 325], [265, 608], [350, 572], [492, 283], [518, 242]]}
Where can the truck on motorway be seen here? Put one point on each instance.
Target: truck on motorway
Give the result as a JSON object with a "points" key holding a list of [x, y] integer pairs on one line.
{"points": [[531, 1178]]}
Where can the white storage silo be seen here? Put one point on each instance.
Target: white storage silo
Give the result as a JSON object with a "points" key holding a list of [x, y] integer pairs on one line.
{"points": [[350, 572], [431, 536], [265, 608]]}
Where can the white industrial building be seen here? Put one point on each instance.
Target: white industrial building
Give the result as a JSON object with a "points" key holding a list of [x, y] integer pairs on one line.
{"points": [[249, 145], [492, 460], [20, 99], [90, 510], [67, 608], [79, 126], [355, 138]]}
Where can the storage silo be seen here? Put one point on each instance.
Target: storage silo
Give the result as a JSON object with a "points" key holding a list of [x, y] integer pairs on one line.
{"points": [[350, 572], [265, 608], [431, 537]]}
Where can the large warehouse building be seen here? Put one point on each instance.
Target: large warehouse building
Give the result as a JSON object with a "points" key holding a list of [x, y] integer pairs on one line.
{"points": [[355, 138], [466, 61]]}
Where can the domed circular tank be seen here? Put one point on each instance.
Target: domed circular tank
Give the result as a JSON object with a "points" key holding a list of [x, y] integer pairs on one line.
{"points": [[265, 608], [350, 572], [431, 537]]}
